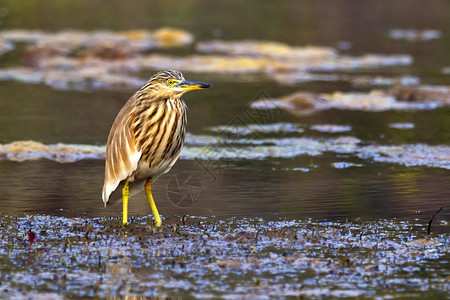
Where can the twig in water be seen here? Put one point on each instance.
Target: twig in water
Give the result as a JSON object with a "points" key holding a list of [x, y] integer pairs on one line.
{"points": [[429, 223]]}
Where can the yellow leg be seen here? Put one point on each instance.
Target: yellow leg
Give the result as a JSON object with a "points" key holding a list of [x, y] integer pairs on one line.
{"points": [[148, 191], [125, 195]]}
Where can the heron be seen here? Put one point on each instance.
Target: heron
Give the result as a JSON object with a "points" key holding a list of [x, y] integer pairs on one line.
{"points": [[147, 135]]}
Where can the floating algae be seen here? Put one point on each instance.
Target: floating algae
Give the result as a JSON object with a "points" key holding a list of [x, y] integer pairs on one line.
{"points": [[294, 78], [422, 93], [409, 155], [62, 72], [104, 59], [237, 148], [396, 98], [76, 79], [266, 49], [86, 60], [301, 58], [200, 257], [31, 150], [257, 129], [72, 40]]}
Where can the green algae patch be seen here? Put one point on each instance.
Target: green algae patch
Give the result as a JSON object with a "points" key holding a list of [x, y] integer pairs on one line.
{"points": [[205, 257]]}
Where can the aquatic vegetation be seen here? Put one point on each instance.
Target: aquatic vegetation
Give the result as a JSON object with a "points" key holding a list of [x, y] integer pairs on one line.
{"points": [[300, 58], [29, 150], [396, 98], [204, 257], [86, 60], [72, 40], [266, 49], [357, 80], [422, 93], [409, 155], [236, 148], [75, 79], [256, 129], [104, 59]]}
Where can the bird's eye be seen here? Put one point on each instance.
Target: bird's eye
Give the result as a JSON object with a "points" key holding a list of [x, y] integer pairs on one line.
{"points": [[171, 82]]}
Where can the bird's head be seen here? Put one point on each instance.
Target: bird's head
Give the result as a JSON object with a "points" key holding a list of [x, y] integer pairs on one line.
{"points": [[171, 84]]}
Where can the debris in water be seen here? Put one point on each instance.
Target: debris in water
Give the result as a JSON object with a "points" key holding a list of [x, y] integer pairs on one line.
{"points": [[431, 220], [31, 238]]}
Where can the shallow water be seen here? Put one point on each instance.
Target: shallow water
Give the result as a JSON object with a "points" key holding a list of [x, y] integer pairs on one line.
{"points": [[296, 172]]}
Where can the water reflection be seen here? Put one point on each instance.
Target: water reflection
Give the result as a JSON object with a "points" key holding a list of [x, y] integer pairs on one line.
{"points": [[249, 188]]}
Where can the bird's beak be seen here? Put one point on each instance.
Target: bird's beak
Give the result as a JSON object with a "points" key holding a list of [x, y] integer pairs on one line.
{"points": [[186, 85]]}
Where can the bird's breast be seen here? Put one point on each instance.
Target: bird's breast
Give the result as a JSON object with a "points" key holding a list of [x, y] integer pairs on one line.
{"points": [[161, 139]]}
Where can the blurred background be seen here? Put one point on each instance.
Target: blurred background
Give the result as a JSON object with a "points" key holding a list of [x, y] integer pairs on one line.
{"points": [[291, 186]]}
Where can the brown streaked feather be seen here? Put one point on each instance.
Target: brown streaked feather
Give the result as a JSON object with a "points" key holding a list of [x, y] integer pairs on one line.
{"points": [[147, 135]]}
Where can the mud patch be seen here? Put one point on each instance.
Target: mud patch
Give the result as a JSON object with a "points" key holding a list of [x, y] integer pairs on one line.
{"points": [[203, 257]]}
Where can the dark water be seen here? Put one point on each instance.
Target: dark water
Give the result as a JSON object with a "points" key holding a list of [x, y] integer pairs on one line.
{"points": [[267, 188]]}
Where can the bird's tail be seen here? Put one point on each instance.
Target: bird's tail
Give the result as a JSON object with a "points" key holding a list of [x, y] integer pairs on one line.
{"points": [[136, 188]]}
